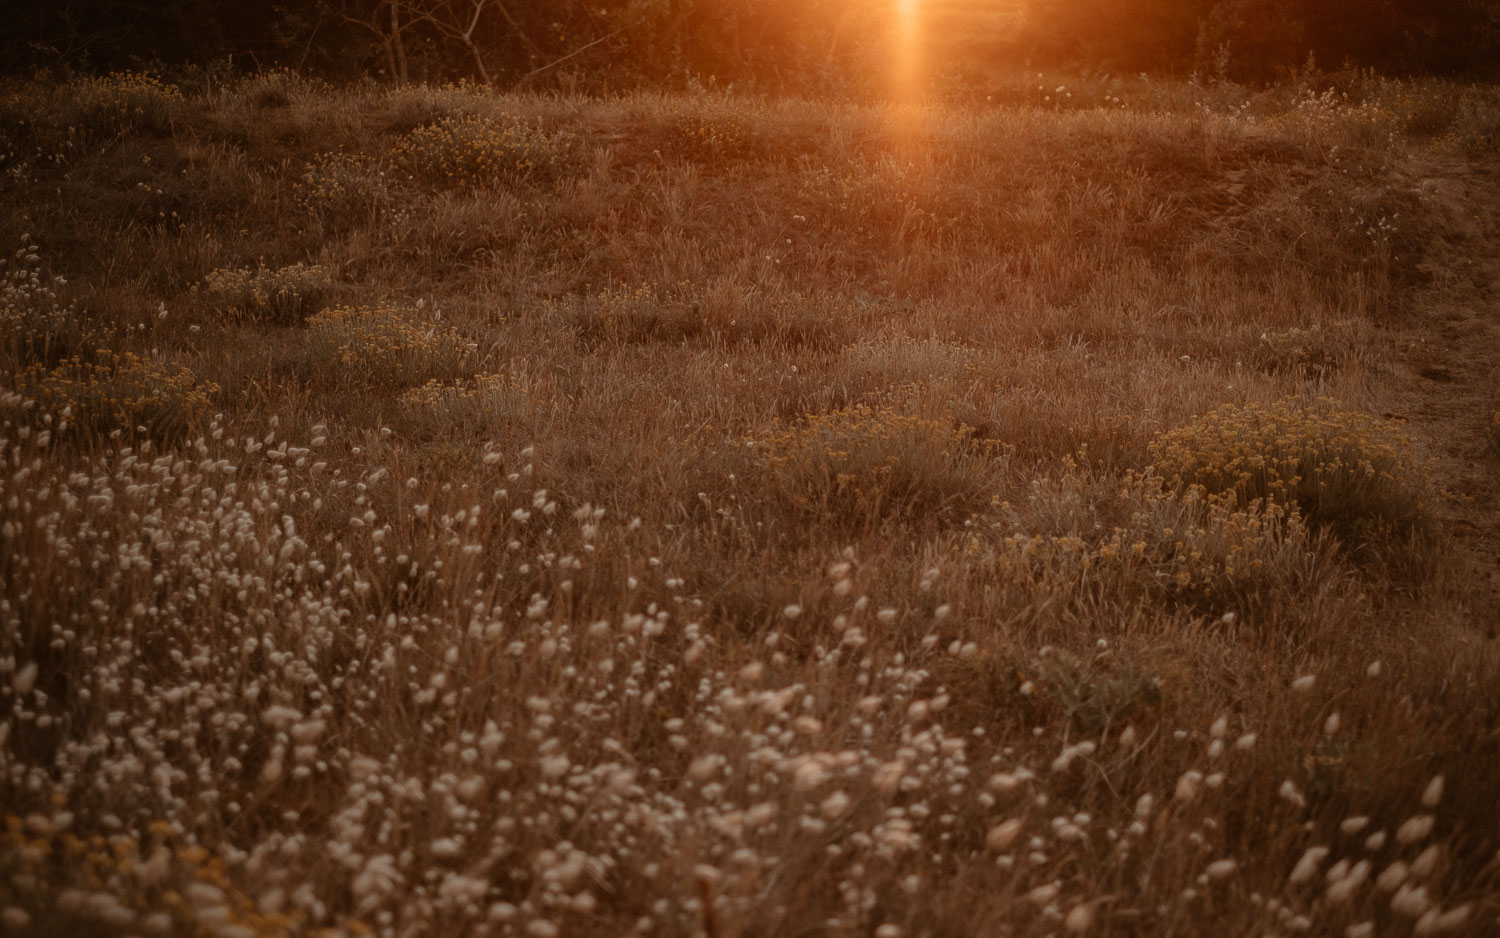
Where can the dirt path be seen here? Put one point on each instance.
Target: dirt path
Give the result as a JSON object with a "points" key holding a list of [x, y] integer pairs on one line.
{"points": [[1446, 372]]}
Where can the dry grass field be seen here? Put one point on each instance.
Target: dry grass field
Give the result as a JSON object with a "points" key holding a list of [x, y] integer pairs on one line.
{"points": [[1070, 509]]}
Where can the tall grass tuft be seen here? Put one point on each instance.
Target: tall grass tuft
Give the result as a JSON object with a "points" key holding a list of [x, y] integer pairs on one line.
{"points": [[858, 465], [479, 152], [383, 346]]}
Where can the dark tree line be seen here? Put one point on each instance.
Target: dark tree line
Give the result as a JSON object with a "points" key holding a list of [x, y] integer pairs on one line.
{"points": [[774, 44], [785, 43], [1259, 39]]}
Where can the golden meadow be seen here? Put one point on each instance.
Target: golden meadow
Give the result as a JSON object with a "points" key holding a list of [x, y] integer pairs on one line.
{"points": [[432, 512]]}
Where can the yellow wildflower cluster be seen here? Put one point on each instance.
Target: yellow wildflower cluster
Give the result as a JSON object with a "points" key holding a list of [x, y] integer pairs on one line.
{"points": [[1186, 547], [1346, 470], [1206, 549], [484, 402], [285, 295], [859, 464], [125, 882], [121, 102], [437, 394], [119, 390], [381, 345], [698, 136], [478, 151], [340, 184]]}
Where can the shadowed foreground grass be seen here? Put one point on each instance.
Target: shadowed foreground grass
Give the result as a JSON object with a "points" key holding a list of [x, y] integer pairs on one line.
{"points": [[433, 513]]}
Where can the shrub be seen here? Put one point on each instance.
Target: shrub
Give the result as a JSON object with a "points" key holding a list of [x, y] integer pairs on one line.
{"points": [[278, 88], [1331, 116], [478, 152], [858, 465], [121, 391], [888, 196], [695, 135], [1347, 471], [285, 295], [1184, 548], [385, 346], [1098, 694], [1308, 353], [478, 406], [121, 102], [1495, 424], [339, 185], [1207, 551]]}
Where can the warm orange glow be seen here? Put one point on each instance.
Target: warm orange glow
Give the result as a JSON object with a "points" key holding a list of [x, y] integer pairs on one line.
{"points": [[907, 58]]}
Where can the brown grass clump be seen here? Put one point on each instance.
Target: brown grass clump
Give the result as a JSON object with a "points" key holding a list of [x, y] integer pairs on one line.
{"points": [[478, 152], [118, 103], [482, 407], [385, 346], [855, 466]]}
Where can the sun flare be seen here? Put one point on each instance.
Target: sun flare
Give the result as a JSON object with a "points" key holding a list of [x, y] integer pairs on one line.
{"points": [[907, 52]]}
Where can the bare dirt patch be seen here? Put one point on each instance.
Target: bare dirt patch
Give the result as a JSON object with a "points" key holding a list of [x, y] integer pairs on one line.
{"points": [[1446, 369]]}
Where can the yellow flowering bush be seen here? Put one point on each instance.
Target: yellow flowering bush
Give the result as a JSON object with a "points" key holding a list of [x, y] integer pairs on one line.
{"points": [[859, 464], [119, 390], [120, 102], [1184, 547], [1207, 550], [482, 404], [1345, 470], [339, 184], [146, 881], [478, 152], [285, 295], [381, 345]]}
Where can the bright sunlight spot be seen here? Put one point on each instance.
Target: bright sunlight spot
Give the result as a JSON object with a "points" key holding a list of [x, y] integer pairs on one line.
{"points": [[906, 72]]}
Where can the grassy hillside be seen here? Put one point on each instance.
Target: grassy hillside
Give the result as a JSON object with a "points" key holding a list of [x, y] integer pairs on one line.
{"points": [[435, 513]]}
